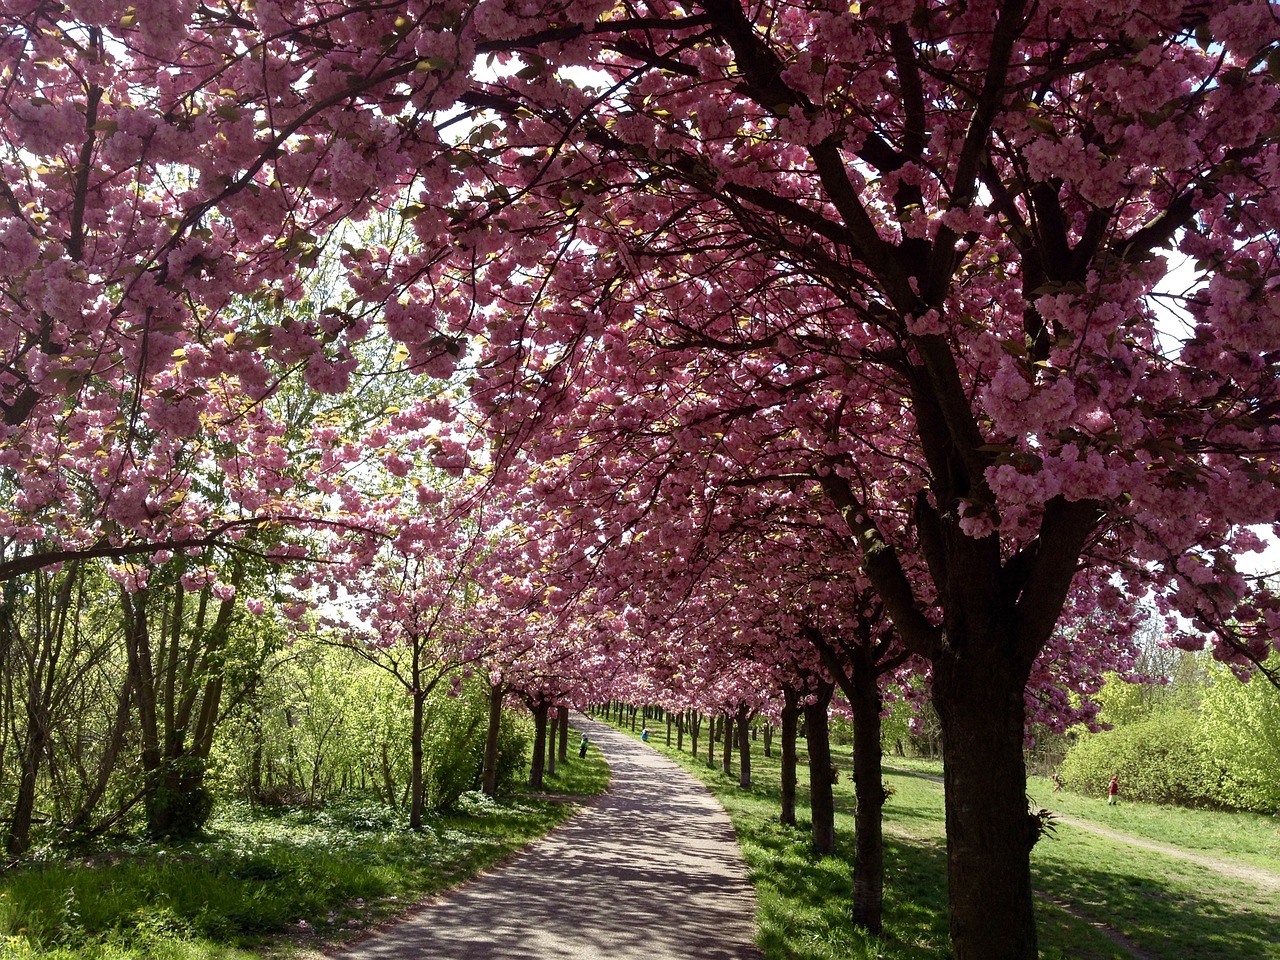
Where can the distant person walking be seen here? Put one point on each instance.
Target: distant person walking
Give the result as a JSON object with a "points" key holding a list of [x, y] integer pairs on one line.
{"points": [[582, 747], [1113, 790]]}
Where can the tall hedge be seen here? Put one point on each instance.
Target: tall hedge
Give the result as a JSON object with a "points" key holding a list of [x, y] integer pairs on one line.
{"points": [[1158, 760]]}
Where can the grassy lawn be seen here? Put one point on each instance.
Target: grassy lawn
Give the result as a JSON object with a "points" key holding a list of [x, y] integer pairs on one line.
{"points": [[283, 883], [1246, 837], [1170, 908]]}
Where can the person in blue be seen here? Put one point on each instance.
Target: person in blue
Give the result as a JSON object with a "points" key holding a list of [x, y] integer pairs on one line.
{"points": [[582, 747], [644, 735]]}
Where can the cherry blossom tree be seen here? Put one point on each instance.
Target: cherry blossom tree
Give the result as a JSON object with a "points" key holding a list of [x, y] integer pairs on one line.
{"points": [[910, 257], [917, 258]]}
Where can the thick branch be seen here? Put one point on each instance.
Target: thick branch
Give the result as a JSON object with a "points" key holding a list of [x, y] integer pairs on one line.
{"points": [[881, 565]]}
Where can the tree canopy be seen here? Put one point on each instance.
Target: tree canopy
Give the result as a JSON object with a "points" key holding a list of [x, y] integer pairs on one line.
{"points": [[899, 272]]}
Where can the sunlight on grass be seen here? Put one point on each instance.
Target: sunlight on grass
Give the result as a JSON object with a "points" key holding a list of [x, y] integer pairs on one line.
{"points": [[1173, 909], [281, 879]]}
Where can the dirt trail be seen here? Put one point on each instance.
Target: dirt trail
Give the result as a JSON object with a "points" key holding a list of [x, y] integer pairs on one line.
{"points": [[1267, 879], [1262, 877]]}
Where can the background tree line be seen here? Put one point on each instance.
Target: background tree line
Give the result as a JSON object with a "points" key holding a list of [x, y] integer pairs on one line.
{"points": [[123, 711]]}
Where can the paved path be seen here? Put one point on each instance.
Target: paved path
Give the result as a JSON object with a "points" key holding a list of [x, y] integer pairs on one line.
{"points": [[649, 871]]}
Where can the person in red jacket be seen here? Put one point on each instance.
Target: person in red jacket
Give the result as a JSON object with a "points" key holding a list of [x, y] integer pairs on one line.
{"points": [[1113, 789]]}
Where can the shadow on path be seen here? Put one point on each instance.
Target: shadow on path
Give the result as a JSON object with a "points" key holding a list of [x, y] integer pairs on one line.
{"points": [[650, 871]]}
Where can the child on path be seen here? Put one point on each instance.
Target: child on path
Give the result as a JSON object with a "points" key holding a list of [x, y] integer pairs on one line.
{"points": [[1113, 788], [582, 747]]}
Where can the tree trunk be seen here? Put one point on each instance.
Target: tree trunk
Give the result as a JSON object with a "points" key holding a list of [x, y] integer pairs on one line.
{"points": [[538, 763], [868, 786], [553, 726], [489, 777], [695, 724], [41, 655], [726, 755], [680, 730], [712, 734], [790, 718], [768, 740], [111, 753], [564, 733], [821, 773], [858, 674], [989, 830], [668, 729], [417, 800], [744, 747], [25, 803]]}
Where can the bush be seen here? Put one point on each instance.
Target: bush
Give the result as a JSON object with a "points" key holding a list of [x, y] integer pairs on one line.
{"points": [[455, 739], [513, 755], [1157, 760]]}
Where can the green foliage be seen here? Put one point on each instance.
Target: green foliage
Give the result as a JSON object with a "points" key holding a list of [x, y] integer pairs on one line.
{"points": [[180, 804], [1158, 760], [454, 744], [1179, 685], [514, 742], [456, 729], [259, 878], [1240, 726], [1204, 739], [320, 723]]}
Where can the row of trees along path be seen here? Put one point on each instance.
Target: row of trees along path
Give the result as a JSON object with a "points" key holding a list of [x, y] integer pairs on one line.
{"points": [[968, 307], [651, 871]]}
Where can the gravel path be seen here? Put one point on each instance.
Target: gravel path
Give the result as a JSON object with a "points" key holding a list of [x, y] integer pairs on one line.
{"points": [[649, 871]]}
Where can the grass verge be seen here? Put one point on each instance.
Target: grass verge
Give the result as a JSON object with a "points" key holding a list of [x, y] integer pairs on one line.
{"points": [[283, 883], [1099, 898]]}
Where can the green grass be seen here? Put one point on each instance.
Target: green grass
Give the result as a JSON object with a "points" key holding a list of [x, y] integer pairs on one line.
{"points": [[285, 883], [1247, 837], [580, 776], [1171, 908]]}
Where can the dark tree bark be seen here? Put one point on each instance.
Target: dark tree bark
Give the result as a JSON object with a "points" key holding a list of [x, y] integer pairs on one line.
{"points": [[868, 786], [537, 764], [563, 724], [744, 747], [553, 726], [990, 832], [857, 666], [695, 725], [417, 736], [489, 775], [790, 721], [821, 772], [726, 755], [768, 740]]}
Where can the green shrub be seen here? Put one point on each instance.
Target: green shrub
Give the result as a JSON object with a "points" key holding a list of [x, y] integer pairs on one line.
{"points": [[1158, 760], [513, 755], [1240, 723], [457, 727]]}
